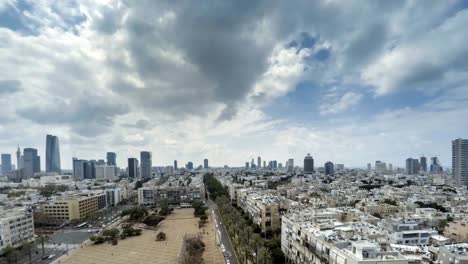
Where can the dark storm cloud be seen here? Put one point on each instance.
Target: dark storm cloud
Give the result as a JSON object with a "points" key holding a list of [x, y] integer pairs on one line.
{"points": [[215, 38], [88, 115], [9, 86]]}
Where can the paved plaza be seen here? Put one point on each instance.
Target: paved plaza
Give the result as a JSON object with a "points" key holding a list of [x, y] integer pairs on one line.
{"points": [[145, 249]]}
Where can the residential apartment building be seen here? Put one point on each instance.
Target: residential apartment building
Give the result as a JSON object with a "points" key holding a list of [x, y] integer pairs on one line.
{"points": [[173, 195], [16, 227], [457, 230], [114, 196], [406, 232], [306, 237], [263, 208]]}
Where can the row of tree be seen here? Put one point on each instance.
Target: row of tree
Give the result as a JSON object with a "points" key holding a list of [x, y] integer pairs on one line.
{"points": [[245, 235]]}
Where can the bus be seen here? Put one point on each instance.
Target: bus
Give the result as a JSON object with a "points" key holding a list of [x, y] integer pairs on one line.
{"points": [[81, 225]]}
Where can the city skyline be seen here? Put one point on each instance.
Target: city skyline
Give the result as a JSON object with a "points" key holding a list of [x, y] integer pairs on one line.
{"points": [[270, 83]]}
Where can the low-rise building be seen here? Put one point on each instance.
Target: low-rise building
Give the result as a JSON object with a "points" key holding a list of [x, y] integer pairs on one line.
{"points": [[262, 207], [154, 196], [308, 238], [75, 206], [457, 230]]}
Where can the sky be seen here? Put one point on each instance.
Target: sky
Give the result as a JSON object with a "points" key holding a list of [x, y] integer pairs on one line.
{"points": [[347, 81]]}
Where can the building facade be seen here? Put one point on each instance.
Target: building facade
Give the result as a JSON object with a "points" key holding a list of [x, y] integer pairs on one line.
{"points": [[6, 164], [52, 154], [16, 227], [146, 164], [133, 168], [75, 206], [111, 158], [308, 164], [460, 161]]}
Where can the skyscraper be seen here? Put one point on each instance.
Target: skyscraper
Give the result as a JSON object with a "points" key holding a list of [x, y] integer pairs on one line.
{"points": [[435, 165], [423, 163], [380, 166], [175, 164], [52, 154], [308, 164], [264, 164], [6, 164], [259, 162], [146, 164], [31, 162], [189, 165], [290, 164], [111, 158], [412, 166], [329, 168], [78, 169], [132, 168], [369, 166], [19, 159], [460, 161], [205, 163]]}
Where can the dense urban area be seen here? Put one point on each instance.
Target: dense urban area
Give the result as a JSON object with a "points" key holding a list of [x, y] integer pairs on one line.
{"points": [[263, 212]]}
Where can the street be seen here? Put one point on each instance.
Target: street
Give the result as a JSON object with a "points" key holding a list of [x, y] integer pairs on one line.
{"points": [[229, 253], [69, 238]]}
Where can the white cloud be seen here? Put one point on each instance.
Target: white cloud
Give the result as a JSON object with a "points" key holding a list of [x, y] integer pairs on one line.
{"points": [[343, 103]]}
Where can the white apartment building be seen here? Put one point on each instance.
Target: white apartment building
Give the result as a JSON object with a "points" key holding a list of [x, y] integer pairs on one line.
{"points": [[16, 227], [263, 208], [155, 195], [114, 196], [406, 232], [308, 236]]}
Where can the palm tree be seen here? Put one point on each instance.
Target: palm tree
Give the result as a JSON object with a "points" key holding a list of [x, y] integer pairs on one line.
{"points": [[265, 255], [256, 242]]}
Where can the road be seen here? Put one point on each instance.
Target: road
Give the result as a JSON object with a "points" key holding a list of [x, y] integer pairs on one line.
{"points": [[68, 238], [230, 254]]}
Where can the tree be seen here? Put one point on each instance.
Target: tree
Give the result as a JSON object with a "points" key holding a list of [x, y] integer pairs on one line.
{"points": [[265, 256], [11, 254], [111, 233], [161, 236]]}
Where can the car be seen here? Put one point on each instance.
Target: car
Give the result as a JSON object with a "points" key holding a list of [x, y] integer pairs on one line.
{"points": [[51, 256]]}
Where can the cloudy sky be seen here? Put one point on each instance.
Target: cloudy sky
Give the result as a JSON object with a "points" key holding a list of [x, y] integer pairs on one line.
{"points": [[348, 81]]}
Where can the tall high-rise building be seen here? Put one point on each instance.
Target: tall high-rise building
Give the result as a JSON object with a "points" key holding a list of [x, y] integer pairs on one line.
{"points": [[460, 161], [111, 158], [205, 163], [423, 163], [52, 154], [380, 166], [290, 164], [175, 164], [274, 164], [412, 166], [146, 164], [259, 162], [31, 162], [308, 164], [132, 168], [329, 168], [369, 166], [435, 165], [247, 165], [264, 164], [84, 169], [19, 159], [189, 165], [6, 164]]}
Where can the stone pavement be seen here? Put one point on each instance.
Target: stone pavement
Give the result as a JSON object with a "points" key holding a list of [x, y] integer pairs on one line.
{"points": [[145, 249]]}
